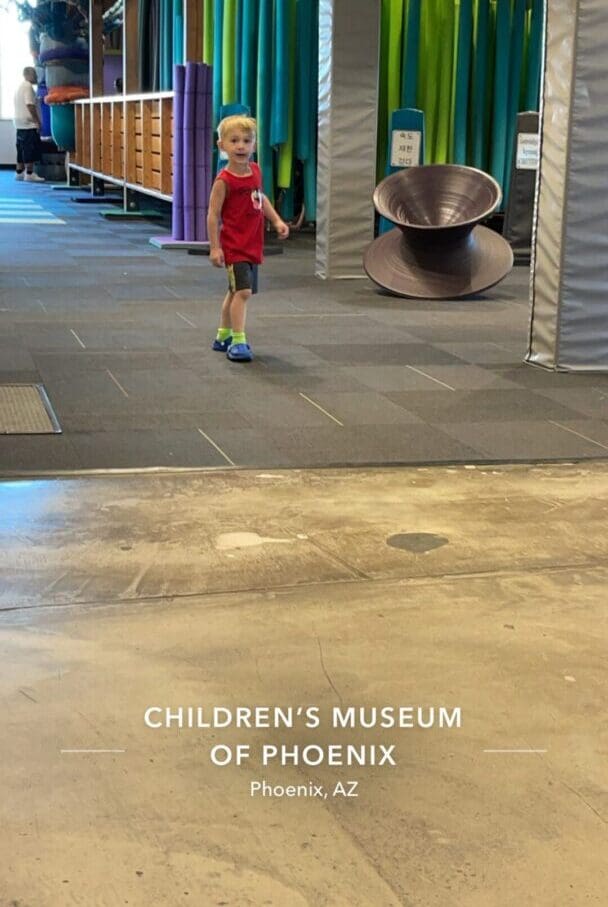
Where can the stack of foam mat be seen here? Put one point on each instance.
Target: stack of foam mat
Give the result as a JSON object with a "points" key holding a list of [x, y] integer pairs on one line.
{"points": [[192, 143]]}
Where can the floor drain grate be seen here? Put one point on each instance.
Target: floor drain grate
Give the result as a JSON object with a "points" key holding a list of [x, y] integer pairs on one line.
{"points": [[25, 409]]}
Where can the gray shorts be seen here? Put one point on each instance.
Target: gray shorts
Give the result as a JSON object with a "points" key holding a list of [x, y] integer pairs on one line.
{"points": [[242, 275]]}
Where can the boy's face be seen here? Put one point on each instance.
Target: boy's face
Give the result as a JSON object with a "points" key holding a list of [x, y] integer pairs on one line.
{"points": [[238, 145]]}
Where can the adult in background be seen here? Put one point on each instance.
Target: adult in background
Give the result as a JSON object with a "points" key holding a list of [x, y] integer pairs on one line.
{"points": [[27, 123]]}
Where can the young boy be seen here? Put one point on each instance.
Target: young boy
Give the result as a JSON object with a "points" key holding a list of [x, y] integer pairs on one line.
{"points": [[237, 199]]}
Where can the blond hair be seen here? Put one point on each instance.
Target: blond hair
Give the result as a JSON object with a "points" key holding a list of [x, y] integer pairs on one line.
{"points": [[236, 121]]}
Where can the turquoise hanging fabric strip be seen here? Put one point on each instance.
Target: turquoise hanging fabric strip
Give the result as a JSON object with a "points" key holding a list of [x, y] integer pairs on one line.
{"points": [[249, 49], [285, 158], [518, 27], [461, 91], [478, 88], [178, 31], [535, 56], [501, 91], [446, 58], [411, 50], [279, 123], [304, 62], [310, 165], [264, 89]]}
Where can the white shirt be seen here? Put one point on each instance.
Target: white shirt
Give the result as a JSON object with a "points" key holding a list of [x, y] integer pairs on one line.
{"points": [[24, 95]]}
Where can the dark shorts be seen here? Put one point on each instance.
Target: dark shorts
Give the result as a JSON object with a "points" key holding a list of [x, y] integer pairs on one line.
{"points": [[28, 146], [242, 275]]}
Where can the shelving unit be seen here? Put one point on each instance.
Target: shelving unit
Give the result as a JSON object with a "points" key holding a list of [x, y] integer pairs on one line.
{"points": [[127, 140]]}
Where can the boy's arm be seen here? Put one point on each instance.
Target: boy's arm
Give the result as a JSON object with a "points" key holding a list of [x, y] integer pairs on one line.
{"points": [[279, 224], [216, 202]]}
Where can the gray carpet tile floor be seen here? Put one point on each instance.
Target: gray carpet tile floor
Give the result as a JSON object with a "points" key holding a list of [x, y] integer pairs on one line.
{"points": [[119, 334]]}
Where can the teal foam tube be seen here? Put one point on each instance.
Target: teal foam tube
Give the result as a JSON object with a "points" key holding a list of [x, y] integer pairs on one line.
{"points": [[279, 123], [218, 11], [304, 73], [518, 29], [501, 91], [463, 68], [478, 88], [229, 52], [166, 45], [411, 49], [178, 31], [534, 56], [264, 87], [249, 32]]}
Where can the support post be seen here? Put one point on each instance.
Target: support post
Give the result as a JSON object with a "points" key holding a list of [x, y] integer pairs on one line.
{"points": [[569, 325], [349, 47]]}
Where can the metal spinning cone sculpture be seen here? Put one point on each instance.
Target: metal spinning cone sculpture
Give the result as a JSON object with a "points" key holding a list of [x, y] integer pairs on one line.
{"points": [[438, 250]]}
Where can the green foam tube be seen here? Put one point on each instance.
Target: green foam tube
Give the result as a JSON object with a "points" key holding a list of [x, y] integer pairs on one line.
{"points": [[478, 87], [501, 91], [208, 32], [534, 56], [229, 52]]}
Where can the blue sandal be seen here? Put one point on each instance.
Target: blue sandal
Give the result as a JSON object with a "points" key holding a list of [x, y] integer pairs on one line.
{"points": [[220, 346], [239, 352]]}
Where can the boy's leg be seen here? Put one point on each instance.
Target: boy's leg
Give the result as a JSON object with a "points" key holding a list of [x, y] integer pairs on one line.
{"points": [[239, 350], [238, 311], [223, 338]]}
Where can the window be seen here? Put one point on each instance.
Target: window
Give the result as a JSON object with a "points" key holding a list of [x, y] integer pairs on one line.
{"points": [[14, 55]]}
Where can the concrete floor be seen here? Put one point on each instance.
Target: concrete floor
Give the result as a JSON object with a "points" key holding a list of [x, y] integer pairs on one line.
{"points": [[241, 588]]}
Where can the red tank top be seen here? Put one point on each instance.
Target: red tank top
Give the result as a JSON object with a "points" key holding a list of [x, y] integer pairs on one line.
{"points": [[242, 231]]}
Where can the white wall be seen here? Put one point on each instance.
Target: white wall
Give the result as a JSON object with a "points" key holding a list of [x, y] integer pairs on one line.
{"points": [[7, 142]]}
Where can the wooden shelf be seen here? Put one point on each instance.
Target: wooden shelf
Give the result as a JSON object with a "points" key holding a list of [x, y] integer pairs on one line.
{"points": [[127, 139]]}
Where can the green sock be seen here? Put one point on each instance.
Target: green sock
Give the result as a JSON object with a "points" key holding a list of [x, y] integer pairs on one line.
{"points": [[239, 337], [223, 333]]}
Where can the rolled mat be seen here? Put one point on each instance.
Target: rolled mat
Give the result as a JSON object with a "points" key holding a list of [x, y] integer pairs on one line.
{"points": [[188, 151], [200, 180], [177, 210]]}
